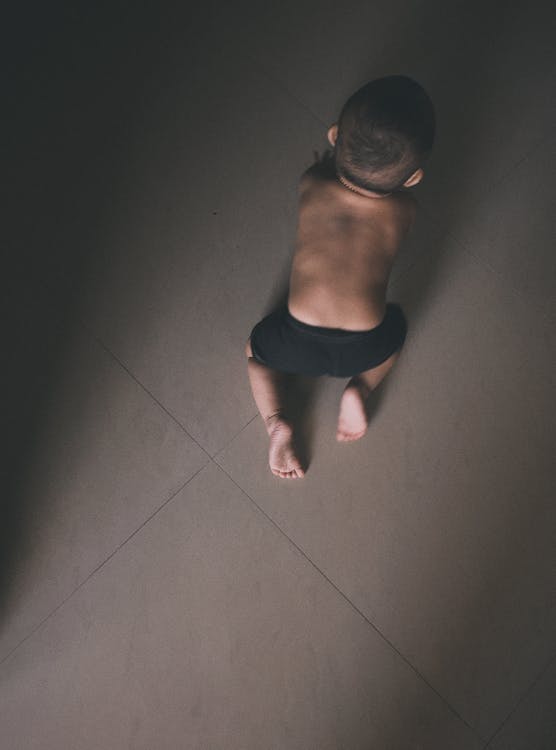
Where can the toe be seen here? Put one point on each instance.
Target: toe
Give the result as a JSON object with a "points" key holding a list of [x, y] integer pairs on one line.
{"points": [[348, 437]]}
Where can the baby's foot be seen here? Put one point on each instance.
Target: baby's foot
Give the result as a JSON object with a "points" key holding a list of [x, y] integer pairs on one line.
{"points": [[281, 455], [352, 420]]}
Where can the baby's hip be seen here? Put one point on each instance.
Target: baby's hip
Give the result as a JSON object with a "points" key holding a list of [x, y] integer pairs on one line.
{"points": [[284, 343]]}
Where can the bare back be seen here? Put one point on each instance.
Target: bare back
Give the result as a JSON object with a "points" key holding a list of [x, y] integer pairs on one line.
{"points": [[345, 248]]}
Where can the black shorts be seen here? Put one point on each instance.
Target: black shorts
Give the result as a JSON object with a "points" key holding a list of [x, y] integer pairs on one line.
{"points": [[284, 343]]}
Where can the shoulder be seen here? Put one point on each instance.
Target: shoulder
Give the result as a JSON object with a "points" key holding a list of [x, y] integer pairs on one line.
{"points": [[306, 179]]}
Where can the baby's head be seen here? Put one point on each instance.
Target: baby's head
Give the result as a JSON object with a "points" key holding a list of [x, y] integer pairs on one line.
{"points": [[384, 135]]}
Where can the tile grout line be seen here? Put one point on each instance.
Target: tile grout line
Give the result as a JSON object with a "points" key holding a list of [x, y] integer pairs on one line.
{"points": [[91, 333], [116, 359], [352, 605], [519, 702], [123, 543], [280, 530], [231, 440], [544, 315], [140, 384], [463, 242], [159, 403], [260, 69], [149, 518], [102, 564]]}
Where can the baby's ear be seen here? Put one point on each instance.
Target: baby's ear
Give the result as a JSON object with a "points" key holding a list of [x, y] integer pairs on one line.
{"points": [[415, 178], [332, 134]]}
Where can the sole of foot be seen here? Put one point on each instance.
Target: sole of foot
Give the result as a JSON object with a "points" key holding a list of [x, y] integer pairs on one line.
{"points": [[352, 420], [282, 457]]}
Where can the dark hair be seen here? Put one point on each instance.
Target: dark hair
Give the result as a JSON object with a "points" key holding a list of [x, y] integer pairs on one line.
{"points": [[385, 133]]}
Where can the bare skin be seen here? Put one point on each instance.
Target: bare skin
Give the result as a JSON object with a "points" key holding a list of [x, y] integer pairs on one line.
{"points": [[347, 241], [282, 458], [267, 386]]}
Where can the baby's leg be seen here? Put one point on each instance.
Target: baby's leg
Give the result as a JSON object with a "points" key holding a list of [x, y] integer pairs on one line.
{"points": [[353, 420], [267, 386]]}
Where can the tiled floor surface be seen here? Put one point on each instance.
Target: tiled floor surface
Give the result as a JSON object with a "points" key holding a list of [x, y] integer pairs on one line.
{"points": [[160, 587]]}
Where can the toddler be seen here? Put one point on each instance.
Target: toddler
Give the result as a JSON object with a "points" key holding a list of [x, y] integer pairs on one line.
{"points": [[355, 208]]}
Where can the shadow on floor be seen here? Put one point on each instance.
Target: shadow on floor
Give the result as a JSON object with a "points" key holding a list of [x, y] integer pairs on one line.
{"points": [[73, 89]]}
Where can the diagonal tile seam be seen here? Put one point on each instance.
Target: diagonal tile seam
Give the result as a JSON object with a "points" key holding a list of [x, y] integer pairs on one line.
{"points": [[140, 384], [520, 700], [462, 242], [155, 512], [464, 245], [352, 605], [250, 499], [231, 440], [544, 315], [509, 168], [159, 403], [102, 564], [280, 531]]}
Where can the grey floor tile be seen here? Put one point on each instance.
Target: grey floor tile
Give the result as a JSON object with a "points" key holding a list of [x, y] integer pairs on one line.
{"points": [[513, 228], [424, 240], [210, 630], [533, 723], [439, 523], [207, 217], [100, 458], [73, 115]]}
